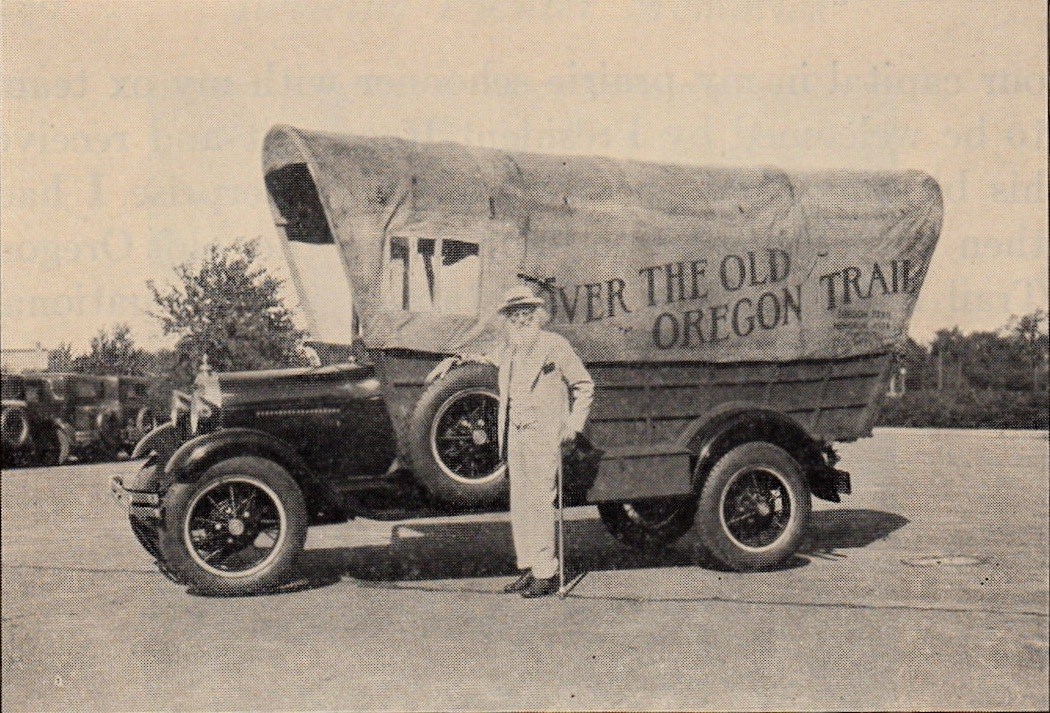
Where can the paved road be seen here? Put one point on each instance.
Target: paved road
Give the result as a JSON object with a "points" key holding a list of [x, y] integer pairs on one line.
{"points": [[928, 588]]}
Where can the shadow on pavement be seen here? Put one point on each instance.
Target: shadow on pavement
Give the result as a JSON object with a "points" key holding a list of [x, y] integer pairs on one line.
{"points": [[474, 550], [833, 530]]}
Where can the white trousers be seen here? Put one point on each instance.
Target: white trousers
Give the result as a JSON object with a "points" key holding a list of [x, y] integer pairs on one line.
{"points": [[533, 455]]}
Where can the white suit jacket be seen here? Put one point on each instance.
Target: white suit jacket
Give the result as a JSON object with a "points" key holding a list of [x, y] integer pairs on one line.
{"points": [[561, 393]]}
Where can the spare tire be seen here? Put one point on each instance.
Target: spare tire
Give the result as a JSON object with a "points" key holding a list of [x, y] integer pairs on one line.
{"points": [[454, 439]]}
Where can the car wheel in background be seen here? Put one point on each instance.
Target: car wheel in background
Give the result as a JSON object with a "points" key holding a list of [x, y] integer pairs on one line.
{"points": [[14, 426], [110, 441]]}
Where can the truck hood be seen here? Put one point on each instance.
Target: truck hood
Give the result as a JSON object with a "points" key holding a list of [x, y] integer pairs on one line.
{"points": [[297, 387]]}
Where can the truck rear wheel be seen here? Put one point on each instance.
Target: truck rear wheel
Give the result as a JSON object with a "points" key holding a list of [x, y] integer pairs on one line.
{"points": [[238, 530], [454, 438], [649, 524], [754, 507]]}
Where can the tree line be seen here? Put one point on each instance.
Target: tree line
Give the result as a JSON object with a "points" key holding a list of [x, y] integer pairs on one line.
{"points": [[984, 379], [225, 305]]}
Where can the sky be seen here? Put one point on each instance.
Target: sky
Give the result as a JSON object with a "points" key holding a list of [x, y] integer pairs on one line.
{"points": [[132, 132]]}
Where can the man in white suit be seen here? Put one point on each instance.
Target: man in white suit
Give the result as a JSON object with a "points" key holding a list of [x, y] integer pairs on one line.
{"points": [[545, 395]]}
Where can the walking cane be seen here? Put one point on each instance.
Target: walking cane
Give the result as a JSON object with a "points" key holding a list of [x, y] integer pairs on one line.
{"points": [[563, 589]]}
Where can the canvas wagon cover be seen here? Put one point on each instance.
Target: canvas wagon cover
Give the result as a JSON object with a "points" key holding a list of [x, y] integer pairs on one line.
{"points": [[639, 261]]}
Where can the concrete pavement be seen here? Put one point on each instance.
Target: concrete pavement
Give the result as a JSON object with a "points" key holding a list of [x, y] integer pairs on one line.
{"points": [[926, 589]]}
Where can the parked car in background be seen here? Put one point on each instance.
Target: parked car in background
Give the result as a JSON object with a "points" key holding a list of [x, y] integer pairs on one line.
{"points": [[50, 417], [36, 428], [14, 419], [135, 402]]}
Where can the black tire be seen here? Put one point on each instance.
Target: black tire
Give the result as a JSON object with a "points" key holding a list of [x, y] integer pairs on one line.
{"points": [[109, 444], [648, 524], [754, 507], [259, 518], [14, 425], [454, 439], [52, 448]]}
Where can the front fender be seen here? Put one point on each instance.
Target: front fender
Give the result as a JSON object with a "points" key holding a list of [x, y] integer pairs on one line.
{"points": [[155, 440], [193, 458]]}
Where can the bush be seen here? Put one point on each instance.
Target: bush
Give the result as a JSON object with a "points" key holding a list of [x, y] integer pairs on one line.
{"points": [[967, 408]]}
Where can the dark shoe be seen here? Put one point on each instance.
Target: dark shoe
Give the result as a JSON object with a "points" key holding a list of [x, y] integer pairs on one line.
{"points": [[540, 588], [520, 584]]}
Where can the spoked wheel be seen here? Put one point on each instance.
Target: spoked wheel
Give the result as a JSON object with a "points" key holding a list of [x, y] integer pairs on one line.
{"points": [[235, 526], [14, 425], [649, 524], [237, 531], [454, 439], [464, 438], [754, 507]]}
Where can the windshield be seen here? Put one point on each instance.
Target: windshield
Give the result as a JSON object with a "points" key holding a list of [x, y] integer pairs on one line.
{"points": [[87, 389], [13, 387]]}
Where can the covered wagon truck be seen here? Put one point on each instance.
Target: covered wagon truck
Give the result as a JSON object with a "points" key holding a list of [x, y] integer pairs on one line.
{"points": [[737, 323]]}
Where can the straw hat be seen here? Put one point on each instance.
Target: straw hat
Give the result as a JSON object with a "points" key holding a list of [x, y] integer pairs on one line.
{"points": [[520, 296]]}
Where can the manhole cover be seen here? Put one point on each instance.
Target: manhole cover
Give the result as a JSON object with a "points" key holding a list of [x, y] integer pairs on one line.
{"points": [[945, 561]]}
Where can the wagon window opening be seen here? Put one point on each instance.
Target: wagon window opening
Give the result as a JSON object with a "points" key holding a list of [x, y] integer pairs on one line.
{"points": [[397, 275], [460, 277], [299, 205], [423, 286], [432, 275], [315, 259]]}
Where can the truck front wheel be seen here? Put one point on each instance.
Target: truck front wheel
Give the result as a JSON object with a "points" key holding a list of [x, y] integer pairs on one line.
{"points": [[236, 531], [754, 507]]}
